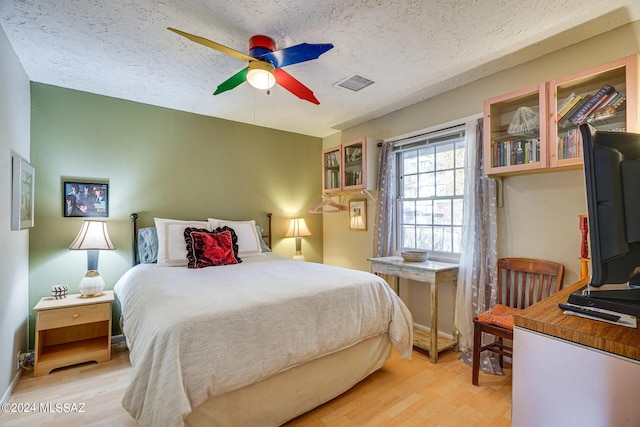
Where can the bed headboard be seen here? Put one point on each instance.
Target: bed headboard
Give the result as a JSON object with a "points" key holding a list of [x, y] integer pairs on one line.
{"points": [[134, 236]]}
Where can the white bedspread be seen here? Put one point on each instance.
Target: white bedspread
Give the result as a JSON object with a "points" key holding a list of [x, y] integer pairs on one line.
{"points": [[197, 333]]}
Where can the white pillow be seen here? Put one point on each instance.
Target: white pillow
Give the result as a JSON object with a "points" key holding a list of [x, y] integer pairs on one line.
{"points": [[248, 239], [172, 249]]}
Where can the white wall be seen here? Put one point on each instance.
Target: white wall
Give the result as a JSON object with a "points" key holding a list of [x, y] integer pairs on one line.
{"points": [[559, 383], [15, 108]]}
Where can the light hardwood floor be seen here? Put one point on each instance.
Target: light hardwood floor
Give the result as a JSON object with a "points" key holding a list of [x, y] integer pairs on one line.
{"points": [[402, 393]]}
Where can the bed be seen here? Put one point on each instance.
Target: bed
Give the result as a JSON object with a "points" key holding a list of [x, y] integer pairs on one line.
{"points": [[254, 342]]}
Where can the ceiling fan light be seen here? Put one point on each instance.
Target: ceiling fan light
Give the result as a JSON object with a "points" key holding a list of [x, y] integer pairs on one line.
{"points": [[260, 75]]}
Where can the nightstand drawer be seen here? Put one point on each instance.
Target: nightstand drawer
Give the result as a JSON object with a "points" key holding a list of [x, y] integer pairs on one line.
{"points": [[61, 317]]}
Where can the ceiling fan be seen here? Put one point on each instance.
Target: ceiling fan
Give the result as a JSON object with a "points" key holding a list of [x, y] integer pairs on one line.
{"points": [[265, 64]]}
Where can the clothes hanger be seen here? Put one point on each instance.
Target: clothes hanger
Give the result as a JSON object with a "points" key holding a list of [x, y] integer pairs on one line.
{"points": [[327, 206]]}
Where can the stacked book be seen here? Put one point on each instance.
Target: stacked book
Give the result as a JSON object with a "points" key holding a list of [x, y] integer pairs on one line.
{"points": [[570, 146], [577, 109], [515, 152], [332, 159]]}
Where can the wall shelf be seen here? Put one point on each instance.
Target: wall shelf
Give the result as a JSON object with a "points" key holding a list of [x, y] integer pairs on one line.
{"points": [[557, 140]]}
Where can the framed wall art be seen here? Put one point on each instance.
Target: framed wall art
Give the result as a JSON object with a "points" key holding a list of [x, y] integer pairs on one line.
{"points": [[23, 185], [85, 199], [358, 214]]}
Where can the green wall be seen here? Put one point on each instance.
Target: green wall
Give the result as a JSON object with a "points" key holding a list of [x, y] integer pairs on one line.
{"points": [[158, 162]]}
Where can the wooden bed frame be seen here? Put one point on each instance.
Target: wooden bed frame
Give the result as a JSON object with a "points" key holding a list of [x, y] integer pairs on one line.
{"points": [[135, 260]]}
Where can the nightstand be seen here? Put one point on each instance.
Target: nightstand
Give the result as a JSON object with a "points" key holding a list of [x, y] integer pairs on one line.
{"points": [[72, 330]]}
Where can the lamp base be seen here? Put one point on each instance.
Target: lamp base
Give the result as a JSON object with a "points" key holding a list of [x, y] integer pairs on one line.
{"points": [[298, 256], [91, 284]]}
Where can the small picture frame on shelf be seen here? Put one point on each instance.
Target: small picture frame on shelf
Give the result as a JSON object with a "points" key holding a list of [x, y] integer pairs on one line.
{"points": [[85, 199], [358, 214], [23, 193]]}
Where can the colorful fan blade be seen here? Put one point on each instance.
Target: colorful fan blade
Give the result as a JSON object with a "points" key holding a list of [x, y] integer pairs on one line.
{"points": [[295, 54], [285, 80], [214, 45], [233, 81]]}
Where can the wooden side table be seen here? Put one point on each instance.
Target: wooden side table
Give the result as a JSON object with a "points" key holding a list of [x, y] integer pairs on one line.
{"points": [[434, 273], [72, 330]]}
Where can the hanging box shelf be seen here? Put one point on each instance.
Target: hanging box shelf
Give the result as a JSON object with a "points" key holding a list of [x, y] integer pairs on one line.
{"points": [[605, 96]]}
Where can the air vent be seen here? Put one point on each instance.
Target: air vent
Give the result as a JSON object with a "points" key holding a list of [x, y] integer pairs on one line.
{"points": [[354, 83]]}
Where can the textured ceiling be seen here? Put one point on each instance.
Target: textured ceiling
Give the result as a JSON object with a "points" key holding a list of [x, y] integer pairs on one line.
{"points": [[412, 49]]}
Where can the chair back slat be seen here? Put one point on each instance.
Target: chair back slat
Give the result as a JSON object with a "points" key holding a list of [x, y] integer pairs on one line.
{"points": [[525, 281]]}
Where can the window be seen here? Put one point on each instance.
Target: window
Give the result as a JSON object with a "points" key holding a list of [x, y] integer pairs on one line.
{"points": [[430, 190]]}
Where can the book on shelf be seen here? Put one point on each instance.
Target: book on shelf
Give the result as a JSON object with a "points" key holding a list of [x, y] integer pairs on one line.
{"points": [[560, 148], [353, 154], [601, 114], [613, 98], [618, 102], [570, 146], [588, 106], [332, 180], [566, 101], [515, 152], [593, 109], [332, 159], [574, 110], [567, 105], [608, 109]]}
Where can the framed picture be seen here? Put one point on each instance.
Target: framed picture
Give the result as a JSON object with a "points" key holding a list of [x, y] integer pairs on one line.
{"points": [[85, 199], [23, 186], [358, 214]]}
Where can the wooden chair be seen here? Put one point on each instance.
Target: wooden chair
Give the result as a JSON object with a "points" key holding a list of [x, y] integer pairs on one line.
{"points": [[521, 283]]}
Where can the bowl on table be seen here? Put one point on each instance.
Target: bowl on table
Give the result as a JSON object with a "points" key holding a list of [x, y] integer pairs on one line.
{"points": [[414, 256]]}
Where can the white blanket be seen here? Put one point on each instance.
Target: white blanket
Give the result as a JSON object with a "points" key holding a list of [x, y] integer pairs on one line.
{"points": [[198, 333]]}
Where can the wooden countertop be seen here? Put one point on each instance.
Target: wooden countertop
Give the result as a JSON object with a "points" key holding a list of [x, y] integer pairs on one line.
{"points": [[547, 318]]}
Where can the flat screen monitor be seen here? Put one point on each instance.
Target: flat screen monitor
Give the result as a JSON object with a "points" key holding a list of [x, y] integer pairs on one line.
{"points": [[612, 178]]}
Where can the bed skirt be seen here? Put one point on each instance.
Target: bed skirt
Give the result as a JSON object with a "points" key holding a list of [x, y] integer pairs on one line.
{"points": [[295, 391]]}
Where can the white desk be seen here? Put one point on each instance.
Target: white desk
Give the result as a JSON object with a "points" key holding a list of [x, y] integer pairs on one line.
{"points": [[434, 273], [572, 371]]}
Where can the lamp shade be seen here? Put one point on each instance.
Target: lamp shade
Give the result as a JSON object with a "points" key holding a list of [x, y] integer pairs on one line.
{"points": [[357, 222], [297, 228], [92, 236], [260, 75]]}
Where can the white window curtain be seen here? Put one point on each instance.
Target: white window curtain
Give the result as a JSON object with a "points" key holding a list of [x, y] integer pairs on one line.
{"points": [[478, 257]]}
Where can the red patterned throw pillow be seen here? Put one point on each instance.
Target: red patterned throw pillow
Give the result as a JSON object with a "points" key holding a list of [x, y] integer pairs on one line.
{"points": [[210, 248]]}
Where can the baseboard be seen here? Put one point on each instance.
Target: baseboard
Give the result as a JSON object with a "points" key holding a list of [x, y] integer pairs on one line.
{"points": [[428, 329], [116, 339], [12, 386]]}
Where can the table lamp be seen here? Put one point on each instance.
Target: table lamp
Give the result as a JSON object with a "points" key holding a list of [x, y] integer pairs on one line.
{"points": [[93, 237], [298, 228]]}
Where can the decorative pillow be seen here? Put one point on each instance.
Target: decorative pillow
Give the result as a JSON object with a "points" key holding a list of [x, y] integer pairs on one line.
{"points": [[263, 244], [210, 248], [171, 246], [248, 238], [500, 315], [148, 245]]}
